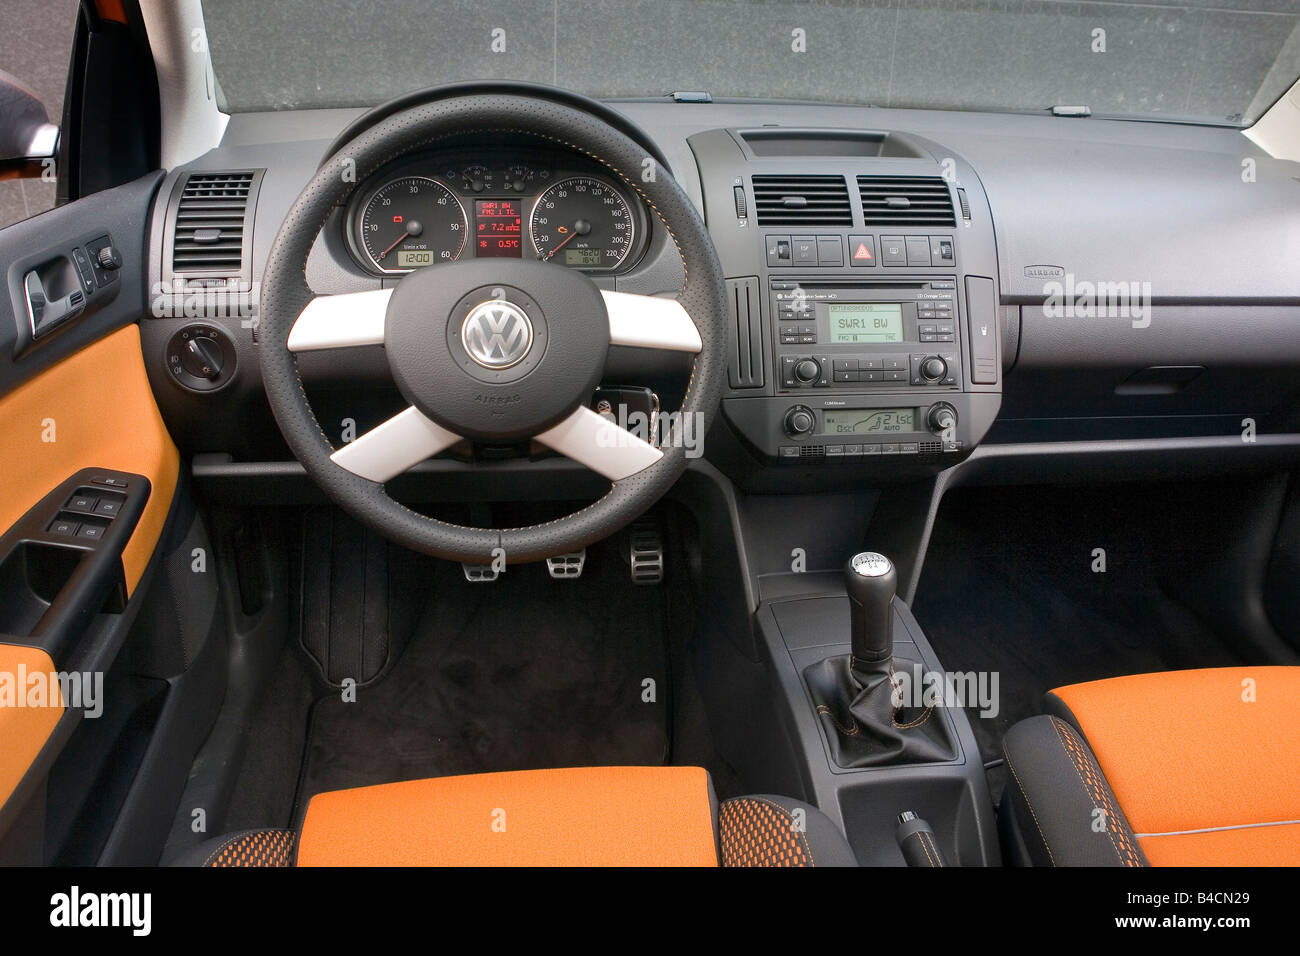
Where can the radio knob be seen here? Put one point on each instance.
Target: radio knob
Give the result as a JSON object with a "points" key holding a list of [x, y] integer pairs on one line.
{"points": [[934, 368], [800, 421], [941, 418], [807, 371]]}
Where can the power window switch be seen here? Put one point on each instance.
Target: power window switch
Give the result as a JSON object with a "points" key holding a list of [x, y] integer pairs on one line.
{"points": [[64, 528], [82, 504], [92, 532], [108, 507]]}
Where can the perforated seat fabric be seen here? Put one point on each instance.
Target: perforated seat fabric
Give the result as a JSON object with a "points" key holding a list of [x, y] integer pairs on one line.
{"points": [[1182, 768], [604, 816]]}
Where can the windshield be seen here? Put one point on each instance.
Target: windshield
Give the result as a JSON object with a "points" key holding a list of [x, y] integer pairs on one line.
{"points": [[1191, 60]]}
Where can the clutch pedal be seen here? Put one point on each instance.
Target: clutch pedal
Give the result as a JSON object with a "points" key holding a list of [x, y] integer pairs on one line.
{"points": [[567, 565], [646, 553], [479, 573]]}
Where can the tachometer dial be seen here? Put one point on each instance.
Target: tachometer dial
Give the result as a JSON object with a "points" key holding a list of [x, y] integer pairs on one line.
{"points": [[582, 223], [410, 223]]}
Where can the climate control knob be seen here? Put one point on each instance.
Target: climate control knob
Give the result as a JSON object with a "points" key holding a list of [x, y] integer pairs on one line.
{"points": [[941, 418], [800, 421], [933, 369], [807, 371]]}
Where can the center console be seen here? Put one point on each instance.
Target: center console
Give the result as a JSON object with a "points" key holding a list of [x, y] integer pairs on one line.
{"points": [[864, 295]]}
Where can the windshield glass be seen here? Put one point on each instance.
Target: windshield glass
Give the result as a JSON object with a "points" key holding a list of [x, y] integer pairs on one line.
{"points": [[1222, 61]]}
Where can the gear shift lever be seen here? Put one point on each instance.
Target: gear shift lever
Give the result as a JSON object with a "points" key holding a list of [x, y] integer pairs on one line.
{"points": [[870, 580], [855, 694]]}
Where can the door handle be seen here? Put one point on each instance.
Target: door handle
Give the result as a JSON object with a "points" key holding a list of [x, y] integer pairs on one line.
{"points": [[44, 313]]}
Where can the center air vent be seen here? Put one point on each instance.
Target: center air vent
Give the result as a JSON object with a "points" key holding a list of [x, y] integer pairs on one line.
{"points": [[905, 201], [802, 201], [211, 223]]}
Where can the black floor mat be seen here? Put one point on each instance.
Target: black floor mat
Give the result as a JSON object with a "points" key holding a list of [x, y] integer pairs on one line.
{"points": [[526, 672], [1008, 586]]}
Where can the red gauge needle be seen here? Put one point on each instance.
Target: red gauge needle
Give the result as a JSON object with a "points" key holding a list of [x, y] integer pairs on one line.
{"points": [[392, 247], [560, 246]]}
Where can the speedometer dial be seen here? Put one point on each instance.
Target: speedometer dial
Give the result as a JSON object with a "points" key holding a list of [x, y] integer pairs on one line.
{"points": [[410, 223], [583, 223]]}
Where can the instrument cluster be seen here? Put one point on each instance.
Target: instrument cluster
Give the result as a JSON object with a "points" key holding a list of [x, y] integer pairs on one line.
{"points": [[460, 204]]}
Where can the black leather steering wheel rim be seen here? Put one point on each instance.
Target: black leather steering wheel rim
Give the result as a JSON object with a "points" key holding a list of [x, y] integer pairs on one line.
{"points": [[285, 294]]}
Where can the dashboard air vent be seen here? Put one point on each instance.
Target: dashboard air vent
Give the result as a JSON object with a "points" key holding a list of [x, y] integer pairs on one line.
{"points": [[210, 223], [905, 201], [802, 201]]}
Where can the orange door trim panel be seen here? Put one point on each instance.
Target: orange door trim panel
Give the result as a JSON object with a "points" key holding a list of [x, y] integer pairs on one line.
{"points": [[30, 708], [94, 409]]}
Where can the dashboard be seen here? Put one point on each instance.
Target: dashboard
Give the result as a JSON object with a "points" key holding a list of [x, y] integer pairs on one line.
{"points": [[872, 339], [466, 203]]}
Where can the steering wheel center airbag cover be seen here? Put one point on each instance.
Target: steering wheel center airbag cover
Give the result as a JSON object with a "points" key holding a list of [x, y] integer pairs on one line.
{"points": [[541, 332]]}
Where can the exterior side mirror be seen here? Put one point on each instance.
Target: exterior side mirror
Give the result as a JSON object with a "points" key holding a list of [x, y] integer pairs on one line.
{"points": [[28, 140]]}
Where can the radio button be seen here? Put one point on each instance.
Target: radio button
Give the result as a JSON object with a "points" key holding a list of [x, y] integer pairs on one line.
{"points": [[893, 362], [843, 365], [862, 251], [808, 339], [789, 338], [872, 363], [893, 251], [870, 376], [895, 376], [807, 371]]}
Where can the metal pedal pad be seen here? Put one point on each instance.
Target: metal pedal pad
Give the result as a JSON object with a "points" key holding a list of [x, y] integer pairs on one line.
{"points": [[479, 573], [646, 553], [567, 565]]}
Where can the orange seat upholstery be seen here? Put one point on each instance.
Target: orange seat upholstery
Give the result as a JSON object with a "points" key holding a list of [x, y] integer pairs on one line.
{"points": [[589, 816], [1189, 768]]}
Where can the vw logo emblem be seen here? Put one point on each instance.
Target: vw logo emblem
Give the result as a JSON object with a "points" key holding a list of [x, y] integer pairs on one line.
{"points": [[497, 334]]}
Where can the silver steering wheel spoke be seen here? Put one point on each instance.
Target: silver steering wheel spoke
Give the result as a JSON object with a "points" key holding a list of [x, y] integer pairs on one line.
{"points": [[341, 321], [387, 450], [593, 440], [650, 322]]}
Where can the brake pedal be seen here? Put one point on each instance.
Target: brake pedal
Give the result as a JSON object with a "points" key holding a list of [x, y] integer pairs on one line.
{"points": [[479, 573], [567, 565], [646, 553]]}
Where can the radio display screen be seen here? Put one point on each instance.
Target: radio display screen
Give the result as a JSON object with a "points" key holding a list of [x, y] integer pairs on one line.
{"points": [[862, 323], [868, 421]]}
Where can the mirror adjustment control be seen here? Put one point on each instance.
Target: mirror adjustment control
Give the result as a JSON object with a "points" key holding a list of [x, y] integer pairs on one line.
{"points": [[800, 421]]}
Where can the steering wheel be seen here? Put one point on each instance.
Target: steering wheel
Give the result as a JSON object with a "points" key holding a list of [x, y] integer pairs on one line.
{"points": [[493, 350]]}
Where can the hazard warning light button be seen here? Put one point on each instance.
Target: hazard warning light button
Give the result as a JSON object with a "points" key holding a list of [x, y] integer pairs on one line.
{"points": [[862, 251]]}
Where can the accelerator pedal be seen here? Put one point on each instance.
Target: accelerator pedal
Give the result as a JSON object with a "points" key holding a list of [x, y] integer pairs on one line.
{"points": [[567, 565]]}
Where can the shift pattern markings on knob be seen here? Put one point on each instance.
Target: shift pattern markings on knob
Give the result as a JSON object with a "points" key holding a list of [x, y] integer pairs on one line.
{"points": [[870, 564]]}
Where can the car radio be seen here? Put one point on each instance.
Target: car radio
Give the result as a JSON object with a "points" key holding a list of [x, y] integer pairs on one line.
{"points": [[853, 333]]}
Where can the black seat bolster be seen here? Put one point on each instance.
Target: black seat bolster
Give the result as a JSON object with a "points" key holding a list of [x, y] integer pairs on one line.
{"points": [[245, 848], [764, 830], [1058, 809]]}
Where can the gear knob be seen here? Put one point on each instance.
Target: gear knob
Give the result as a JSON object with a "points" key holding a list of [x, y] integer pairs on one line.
{"points": [[871, 581]]}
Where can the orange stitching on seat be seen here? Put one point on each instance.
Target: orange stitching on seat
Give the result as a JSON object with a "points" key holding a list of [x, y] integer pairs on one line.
{"points": [[1098, 790]]}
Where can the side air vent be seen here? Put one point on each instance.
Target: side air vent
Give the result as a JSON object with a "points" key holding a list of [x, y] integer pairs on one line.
{"points": [[905, 201], [802, 201], [746, 368], [211, 224]]}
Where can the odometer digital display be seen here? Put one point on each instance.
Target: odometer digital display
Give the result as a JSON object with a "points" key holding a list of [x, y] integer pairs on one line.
{"points": [[582, 257], [863, 421]]}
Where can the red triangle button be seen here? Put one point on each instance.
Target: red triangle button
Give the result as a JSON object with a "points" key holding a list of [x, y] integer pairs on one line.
{"points": [[862, 252]]}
